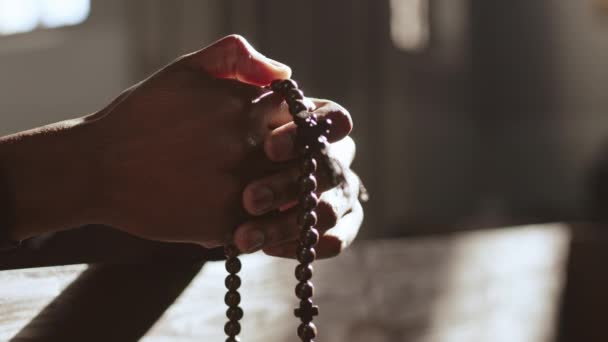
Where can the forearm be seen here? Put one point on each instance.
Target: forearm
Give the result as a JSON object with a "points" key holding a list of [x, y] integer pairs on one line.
{"points": [[48, 179]]}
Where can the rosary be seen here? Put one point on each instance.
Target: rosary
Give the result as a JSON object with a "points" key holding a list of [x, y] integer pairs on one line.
{"points": [[312, 142]]}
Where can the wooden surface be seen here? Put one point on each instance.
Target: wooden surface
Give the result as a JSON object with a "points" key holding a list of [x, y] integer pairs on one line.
{"points": [[499, 285]]}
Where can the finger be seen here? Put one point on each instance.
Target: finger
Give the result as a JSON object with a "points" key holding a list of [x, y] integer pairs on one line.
{"points": [[272, 230], [333, 204], [280, 227], [280, 115], [280, 144], [234, 58], [332, 243], [344, 151], [280, 190]]}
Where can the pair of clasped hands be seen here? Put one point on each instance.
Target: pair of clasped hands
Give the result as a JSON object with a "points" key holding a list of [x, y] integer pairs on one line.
{"points": [[201, 152]]}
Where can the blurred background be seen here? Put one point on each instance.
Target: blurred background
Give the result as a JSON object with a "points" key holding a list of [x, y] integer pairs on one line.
{"points": [[471, 117]]}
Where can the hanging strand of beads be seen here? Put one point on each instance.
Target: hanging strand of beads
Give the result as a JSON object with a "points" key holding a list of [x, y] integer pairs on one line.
{"points": [[312, 143], [234, 313]]}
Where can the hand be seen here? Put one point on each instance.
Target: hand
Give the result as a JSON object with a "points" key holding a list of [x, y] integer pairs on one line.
{"points": [[339, 212], [179, 147]]}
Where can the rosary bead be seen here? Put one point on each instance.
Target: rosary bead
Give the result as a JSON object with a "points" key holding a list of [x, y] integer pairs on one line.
{"points": [[233, 339], [288, 84], [307, 219], [232, 298], [304, 272], [324, 125], [294, 94], [231, 251], [309, 201], [304, 290], [307, 183], [233, 265], [232, 328], [276, 85], [309, 165], [306, 255], [309, 237], [320, 144], [233, 282], [302, 147], [234, 313], [296, 107], [304, 119], [307, 331]]}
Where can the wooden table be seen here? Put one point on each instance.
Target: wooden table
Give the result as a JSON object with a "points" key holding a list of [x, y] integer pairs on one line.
{"points": [[491, 285]]}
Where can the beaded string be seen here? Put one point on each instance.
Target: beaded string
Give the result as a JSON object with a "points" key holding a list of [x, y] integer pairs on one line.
{"points": [[311, 141], [232, 298]]}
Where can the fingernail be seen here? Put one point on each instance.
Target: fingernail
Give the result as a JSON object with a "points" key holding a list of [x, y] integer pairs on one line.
{"points": [[277, 63], [254, 241], [280, 67], [262, 199]]}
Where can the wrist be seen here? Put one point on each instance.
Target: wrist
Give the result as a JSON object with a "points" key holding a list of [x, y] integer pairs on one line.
{"points": [[50, 179]]}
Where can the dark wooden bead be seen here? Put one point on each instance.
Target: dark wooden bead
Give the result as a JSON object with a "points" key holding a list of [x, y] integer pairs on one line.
{"points": [[309, 165], [288, 84], [303, 116], [320, 144], [307, 219], [296, 107], [304, 272], [324, 126], [232, 298], [307, 331], [233, 339], [308, 134], [234, 313], [304, 290], [306, 255], [307, 183], [309, 237], [233, 265], [232, 282], [305, 119], [276, 85], [302, 147], [231, 251], [309, 201], [294, 94], [232, 328], [309, 126]]}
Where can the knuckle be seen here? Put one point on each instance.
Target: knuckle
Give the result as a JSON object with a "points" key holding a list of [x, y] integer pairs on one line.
{"points": [[236, 42], [234, 39]]}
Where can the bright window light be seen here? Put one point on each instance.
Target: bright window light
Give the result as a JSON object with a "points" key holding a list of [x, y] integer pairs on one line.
{"points": [[19, 16], [410, 24], [56, 13]]}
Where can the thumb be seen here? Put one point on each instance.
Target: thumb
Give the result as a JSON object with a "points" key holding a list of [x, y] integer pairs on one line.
{"points": [[234, 58]]}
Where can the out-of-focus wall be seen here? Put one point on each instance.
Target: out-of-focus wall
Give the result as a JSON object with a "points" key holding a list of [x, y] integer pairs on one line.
{"points": [[55, 74], [422, 117]]}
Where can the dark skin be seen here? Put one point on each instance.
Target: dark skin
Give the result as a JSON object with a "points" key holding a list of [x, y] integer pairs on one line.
{"points": [[184, 156]]}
